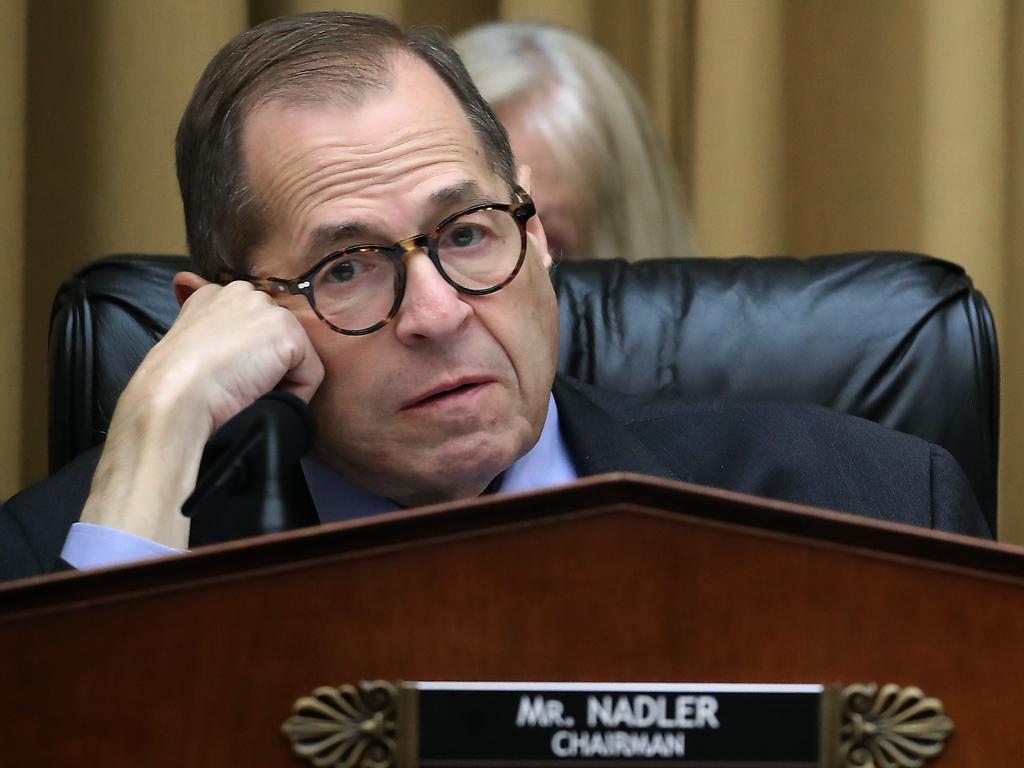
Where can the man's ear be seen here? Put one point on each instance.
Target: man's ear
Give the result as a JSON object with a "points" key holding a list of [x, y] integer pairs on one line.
{"points": [[187, 283], [534, 227]]}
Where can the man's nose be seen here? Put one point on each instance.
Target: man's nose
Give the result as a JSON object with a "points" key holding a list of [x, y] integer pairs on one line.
{"points": [[431, 308]]}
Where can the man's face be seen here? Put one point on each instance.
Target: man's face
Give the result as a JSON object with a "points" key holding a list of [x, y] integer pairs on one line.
{"points": [[439, 401]]}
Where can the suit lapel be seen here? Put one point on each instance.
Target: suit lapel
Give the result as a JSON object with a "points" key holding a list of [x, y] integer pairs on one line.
{"points": [[597, 442]]}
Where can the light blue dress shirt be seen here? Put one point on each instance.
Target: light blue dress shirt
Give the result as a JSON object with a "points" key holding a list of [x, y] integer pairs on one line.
{"points": [[546, 464]]}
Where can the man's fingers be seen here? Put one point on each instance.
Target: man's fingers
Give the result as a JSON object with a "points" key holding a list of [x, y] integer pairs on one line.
{"points": [[305, 369], [229, 346], [185, 284]]}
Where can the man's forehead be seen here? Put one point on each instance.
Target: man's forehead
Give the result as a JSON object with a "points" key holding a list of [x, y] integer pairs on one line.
{"points": [[415, 111]]}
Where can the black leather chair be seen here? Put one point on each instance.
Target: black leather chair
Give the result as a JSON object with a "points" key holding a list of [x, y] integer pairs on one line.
{"points": [[901, 339]]}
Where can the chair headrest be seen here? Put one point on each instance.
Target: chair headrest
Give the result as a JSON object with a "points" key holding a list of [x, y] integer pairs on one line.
{"points": [[901, 339]]}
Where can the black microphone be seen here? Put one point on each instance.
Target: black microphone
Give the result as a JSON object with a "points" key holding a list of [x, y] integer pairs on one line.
{"points": [[249, 452]]}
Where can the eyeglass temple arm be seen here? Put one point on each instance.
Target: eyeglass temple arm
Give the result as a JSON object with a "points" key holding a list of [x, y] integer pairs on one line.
{"points": [[270, 285]]}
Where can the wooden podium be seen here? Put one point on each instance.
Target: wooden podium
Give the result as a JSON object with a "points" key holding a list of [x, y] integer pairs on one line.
{"points": [[196, 660]]}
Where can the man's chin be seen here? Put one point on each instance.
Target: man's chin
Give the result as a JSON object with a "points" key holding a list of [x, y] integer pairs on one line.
{"points": [[456, 476], [460, 467]]}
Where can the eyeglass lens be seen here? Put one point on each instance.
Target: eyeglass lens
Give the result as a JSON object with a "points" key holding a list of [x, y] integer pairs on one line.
{"points": [[478, 250]]}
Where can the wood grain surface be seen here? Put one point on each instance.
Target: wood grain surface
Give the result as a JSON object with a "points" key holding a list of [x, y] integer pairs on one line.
{"points": [[196, 660]]}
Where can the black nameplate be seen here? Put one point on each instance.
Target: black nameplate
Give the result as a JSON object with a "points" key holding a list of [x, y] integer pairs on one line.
{"points": [[547, 724]]}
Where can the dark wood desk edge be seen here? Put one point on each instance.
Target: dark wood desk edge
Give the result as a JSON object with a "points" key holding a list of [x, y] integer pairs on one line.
{"points": [[586, 497]]}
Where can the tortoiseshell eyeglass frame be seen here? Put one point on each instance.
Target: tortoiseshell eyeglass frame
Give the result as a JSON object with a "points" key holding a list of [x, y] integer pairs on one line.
{"points": [[521, 211]]}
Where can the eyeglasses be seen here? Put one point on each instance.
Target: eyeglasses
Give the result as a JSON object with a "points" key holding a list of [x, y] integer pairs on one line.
{"points": [[358, 290]]}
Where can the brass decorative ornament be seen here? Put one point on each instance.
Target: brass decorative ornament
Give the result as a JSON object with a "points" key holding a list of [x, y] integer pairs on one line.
{"points": [[890, 728], [353, 726]]}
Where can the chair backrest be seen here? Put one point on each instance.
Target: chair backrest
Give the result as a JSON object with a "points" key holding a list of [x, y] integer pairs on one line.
{"points": [[901, 339]]}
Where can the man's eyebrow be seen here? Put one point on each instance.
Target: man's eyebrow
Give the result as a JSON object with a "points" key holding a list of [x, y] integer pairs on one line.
{"points": [[327, 236], [463, 194]]}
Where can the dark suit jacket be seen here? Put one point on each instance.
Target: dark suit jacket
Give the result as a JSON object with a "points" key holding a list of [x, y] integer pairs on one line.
{"points": [[803, 454]]}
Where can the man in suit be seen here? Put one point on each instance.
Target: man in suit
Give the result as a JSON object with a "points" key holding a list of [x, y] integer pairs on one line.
{"points": [[313, 148]]}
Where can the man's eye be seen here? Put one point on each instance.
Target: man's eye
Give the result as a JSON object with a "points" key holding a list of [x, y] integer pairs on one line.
{"points": [[465, 236], [345, 271]]}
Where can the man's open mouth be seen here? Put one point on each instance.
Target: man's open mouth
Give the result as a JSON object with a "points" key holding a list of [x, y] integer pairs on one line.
{"points": [[445, 392]]}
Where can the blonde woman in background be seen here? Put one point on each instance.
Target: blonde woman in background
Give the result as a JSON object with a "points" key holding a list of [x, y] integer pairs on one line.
{"points": [[603, 183]]}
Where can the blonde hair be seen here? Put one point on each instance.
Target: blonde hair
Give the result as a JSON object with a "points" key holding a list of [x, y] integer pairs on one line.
{"points": [[590, 114]]}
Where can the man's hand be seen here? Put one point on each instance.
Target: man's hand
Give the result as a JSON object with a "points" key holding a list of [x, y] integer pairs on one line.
{"points": [[229, 346]]}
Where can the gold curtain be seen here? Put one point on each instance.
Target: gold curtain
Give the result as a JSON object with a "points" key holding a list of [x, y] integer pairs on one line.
{"points": [[800, 126], [13, 40]]}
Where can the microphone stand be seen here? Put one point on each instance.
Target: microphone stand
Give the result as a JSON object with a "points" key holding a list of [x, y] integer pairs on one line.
{"points": [[273, 516], [228, 471], [252, 459]]}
